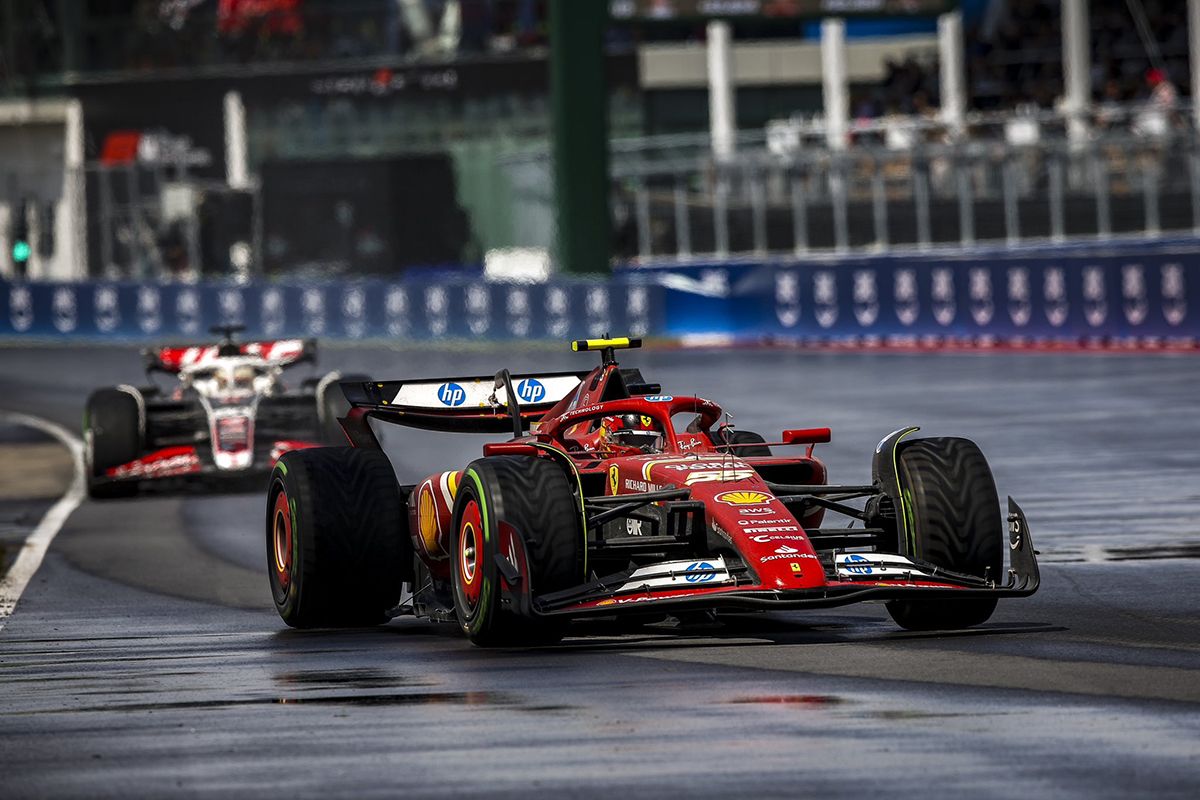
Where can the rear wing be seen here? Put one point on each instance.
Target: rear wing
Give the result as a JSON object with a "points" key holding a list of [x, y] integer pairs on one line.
{"points": [[283, 352], [476, 404]]}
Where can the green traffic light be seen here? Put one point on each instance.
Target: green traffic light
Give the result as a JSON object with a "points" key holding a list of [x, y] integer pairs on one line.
{"points": [[21, 251]]}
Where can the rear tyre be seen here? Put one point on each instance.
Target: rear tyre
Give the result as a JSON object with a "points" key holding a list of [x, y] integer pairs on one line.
{"points": [[955, 523], [112, 431], [337, 551], [723, 436], [331, 406], [521, 509]]}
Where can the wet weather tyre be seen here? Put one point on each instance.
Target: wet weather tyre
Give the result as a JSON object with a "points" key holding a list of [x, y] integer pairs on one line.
{"points": [[337, 550], [955, 521], [726, 436], [522, 509], [113, 434]]}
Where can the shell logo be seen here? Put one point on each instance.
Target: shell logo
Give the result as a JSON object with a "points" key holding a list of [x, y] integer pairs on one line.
{"points": [[744, 498]]}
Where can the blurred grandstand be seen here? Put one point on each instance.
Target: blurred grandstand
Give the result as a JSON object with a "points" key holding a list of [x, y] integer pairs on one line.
{"points": [[180, 139]]}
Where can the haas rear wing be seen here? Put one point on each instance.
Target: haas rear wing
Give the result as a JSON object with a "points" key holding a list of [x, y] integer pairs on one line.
{"points": [[470, 405], [283, 352]]}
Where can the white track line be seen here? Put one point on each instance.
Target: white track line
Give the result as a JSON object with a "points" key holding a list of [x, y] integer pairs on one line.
{"points": [[30, 558]]}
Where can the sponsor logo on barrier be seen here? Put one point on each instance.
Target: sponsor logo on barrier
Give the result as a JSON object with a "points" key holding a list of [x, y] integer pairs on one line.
{"points": [[1020, 307], [395, 310], [107, 308], [451, 394], [945, 306], [20, 308], [904, 289], [979, 289], [598, 318], [866, 298], [64, 308], [479, 309], [1174, 294], [787, 298], [1054, 293], [637, 310], [516, 307], [312, 306], [187, 311], [825, 298], [149, 309], [1133, 292], [558, 304], [1095, 296], [231, 305], [273, 313], [437, 309], [354, 312]]}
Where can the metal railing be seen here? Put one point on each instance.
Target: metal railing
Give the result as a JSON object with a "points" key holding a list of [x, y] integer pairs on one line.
{"points": [[673, 200]]}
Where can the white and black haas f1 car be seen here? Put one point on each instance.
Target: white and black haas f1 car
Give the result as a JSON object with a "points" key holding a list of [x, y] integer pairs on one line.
{"points": [[228, 415], [623, 501]]}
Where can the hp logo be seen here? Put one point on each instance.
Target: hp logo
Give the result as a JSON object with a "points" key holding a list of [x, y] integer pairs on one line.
{"points": [[857, 565], [451, 394], [531, 391]]}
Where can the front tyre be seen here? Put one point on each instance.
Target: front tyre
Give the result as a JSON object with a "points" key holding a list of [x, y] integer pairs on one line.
{"points": [[112, 430], [954, 522], [337, 550], [520, 509]]}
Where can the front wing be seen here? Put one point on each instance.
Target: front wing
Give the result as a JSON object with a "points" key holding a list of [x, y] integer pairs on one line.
{"points": [[610, 596]]}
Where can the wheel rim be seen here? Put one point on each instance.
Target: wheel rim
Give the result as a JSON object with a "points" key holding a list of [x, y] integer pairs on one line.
{"points": [[282, 540], [470, 553]]}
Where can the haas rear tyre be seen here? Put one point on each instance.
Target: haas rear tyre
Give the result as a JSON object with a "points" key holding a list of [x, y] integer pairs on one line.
{"points": [[520, 509], [336, 547], [954, 522], [113, 434]]}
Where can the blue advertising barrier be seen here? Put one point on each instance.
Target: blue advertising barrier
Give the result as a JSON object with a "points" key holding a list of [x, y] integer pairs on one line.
{"points": [[1061, 295], [450, 309], [1133, 293]]}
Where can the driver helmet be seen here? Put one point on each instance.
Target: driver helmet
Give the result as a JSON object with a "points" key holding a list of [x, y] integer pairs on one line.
{"points": [[243, 376], [631, 430]]}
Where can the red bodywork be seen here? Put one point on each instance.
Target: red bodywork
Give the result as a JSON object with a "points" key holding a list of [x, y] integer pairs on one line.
{"points": [[174, 462]]}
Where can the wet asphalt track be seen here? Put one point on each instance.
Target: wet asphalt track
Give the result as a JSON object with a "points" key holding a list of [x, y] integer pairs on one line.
{"points": [[145, 658]]}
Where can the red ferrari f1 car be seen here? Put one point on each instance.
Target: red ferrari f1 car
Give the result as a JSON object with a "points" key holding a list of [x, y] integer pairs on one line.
{"points": [[613, 498], [227, 415]]}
